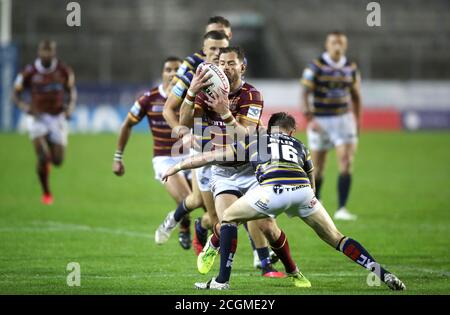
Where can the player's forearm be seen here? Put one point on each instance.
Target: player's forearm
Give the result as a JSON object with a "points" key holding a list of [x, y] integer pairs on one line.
{"points": [[124, 135], [72, 100], [169, 112], [17, 99], [356, 101], [187, 114], [306, 104]]}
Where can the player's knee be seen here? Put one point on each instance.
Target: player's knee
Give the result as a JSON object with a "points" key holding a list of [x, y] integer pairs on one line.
{"points": [[345, 164]]}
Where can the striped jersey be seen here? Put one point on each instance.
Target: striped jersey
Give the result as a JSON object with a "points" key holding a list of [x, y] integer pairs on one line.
{"points": [[151, 104], [245, 104], [185, 73], [278, 159], [331, 83]]}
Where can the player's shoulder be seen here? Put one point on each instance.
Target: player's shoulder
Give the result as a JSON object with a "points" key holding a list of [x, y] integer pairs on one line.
{"points": [[29, 69], [250, 92], [149, 96], [195, 59], [63, 67], [351, 64]]}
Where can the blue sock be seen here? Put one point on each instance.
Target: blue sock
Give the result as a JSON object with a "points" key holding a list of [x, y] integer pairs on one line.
{"points": [[344, 181], [356, 252], [180, 212], [228, 244], [263, 254], [249, 237], [199, 228]]}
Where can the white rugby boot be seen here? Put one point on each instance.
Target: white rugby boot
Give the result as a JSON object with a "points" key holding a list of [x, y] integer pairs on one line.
{"points": [[345, 215], [163, 232], [212, 285], [393, 282]]}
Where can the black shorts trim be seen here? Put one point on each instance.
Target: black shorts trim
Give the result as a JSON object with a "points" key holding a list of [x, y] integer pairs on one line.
{"points": [[236, 193]]}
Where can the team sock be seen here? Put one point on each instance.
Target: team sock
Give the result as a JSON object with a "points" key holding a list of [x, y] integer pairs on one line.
{"points": [[185, 223], [281, 248], [228, 244], [356, 252], [43, 173], [344, 181], [200, 230], [215, 239], [264, 256], [318, 184], [181, 211]]}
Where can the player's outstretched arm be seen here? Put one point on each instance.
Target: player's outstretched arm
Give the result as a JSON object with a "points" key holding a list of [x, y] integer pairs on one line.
{"points": [[306, 108], [199, 160], [118, 167]]}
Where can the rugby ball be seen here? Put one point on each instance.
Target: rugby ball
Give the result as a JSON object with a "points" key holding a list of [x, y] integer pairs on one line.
{"points": [[218, 81]]}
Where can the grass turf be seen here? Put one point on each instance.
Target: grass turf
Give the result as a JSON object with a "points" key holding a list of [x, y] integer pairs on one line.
{"points": [[106, 224]]}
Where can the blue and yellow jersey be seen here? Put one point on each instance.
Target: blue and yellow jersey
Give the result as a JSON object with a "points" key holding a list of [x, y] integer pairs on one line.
{"points": [[331, 85], [277, 159], [185, 73]]}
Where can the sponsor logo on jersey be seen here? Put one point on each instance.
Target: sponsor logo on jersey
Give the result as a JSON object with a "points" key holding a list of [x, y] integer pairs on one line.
{"points": [[254, 112], [278, 189]]}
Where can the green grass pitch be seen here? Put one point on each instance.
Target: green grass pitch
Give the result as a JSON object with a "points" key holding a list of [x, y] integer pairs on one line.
{"points": [[400, 193]]}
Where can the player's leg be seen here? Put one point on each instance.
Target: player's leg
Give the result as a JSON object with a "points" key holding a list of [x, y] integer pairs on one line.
{"points": [[206, 222], [186, 205], [57, 153], [178, 188], [319, 158], [344, 154], [262, 249], [323, 225], [319, 144], [205, 259], [239, 211], [43, 155]]}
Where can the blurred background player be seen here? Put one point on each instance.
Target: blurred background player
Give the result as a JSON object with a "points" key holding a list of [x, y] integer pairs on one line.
{"points": [[334, 82], [151, 105], [48, 80]]}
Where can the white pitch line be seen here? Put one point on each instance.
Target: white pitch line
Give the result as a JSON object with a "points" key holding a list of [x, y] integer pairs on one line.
{"points": [[51, 226]]}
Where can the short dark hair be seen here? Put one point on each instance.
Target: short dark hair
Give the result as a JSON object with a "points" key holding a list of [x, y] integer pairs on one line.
{"points": [[238, 50], [219, 20], [216, 35], [282, 120], [172, 59], [336, 33], [47, 44]]}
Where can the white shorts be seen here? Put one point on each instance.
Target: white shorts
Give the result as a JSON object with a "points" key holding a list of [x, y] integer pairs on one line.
{"points": [[162, 163], [336, 130], [294, 200], [55, 126], [235, 180], [203, 175]]}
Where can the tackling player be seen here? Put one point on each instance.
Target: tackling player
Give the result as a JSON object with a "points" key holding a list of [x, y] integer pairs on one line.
{"points": [[333, 81], [150, 105], [48, 80], [284, 170]]}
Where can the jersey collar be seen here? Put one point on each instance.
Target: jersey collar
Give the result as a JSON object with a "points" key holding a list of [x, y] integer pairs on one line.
{"points": [[332, 63], [161, 91], [40, 68]]}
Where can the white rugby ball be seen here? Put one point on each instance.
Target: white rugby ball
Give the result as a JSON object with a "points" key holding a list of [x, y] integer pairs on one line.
{"points": [[218, 81]]}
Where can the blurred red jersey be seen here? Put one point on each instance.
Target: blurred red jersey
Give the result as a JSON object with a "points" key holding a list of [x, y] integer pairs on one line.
{"points": [[47, 85], [151, 105]]}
